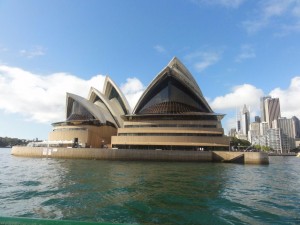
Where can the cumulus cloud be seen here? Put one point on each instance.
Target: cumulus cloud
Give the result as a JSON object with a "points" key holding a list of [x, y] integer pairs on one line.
{"points": [[225, 3], [240, 95], [160, 49], [41, 98], [34, 52], [204, 59], [246, 52], [289, 98], [250, 95], [233, 102], [132, 89]]}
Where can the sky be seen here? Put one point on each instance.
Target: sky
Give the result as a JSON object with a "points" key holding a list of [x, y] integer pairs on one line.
{"points": [[237, 50]]}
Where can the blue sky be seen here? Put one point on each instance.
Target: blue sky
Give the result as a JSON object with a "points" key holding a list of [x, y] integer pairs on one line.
{"points": [[237, 50]]}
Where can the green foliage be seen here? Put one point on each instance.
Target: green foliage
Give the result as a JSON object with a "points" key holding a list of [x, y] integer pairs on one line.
{"points": [[239, 142], [263, 148], [7, 141]]}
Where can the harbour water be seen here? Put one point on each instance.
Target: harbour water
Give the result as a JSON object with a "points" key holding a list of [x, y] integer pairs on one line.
{"points": [[150, 192]]}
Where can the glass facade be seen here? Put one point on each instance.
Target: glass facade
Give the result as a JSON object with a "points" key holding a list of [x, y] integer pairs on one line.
{"points": [[171, 147], [172, 125], [78, 112], [170, 96], [170, 134]]}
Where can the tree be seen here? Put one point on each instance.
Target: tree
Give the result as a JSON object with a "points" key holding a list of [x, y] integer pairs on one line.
{"points": [[7, 141], [239, 142]]}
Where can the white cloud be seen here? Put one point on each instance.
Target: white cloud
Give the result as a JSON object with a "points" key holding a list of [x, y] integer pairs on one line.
{"points": [[203, 60], [160, 49], [225, 3], [275, 8], [250, 95], [252, 26], [234, 101], [289, 98], [132, 89], [34, 52], [240, 95], [247, 52], [268, 11], [296, 10], [41, 98], [287, 29]]}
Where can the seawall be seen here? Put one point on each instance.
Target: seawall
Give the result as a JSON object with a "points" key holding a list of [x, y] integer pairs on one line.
{"points": [[142, 155]]}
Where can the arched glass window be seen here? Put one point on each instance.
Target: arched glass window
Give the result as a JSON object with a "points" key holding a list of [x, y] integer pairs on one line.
{"points": [[79, 112], [170, 96]]}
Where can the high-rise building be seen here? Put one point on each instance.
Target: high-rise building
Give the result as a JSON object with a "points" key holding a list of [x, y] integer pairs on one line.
{"points": [[264, 126], [277, 140], [262, 108], [296, 122], [232, 132], [238, 122], [238, 126], [245, 120], [257, 119], [288, 128], [260, 140], [272, 110], [254, 131]]}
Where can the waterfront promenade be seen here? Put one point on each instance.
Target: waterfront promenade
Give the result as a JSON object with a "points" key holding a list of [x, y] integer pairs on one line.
{"points": [[143, 155]]}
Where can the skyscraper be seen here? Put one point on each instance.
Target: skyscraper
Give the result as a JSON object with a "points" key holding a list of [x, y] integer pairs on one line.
{"points": [[254, 131], [257, 119], [264, 126], [288, 128], [272, 110], [262, 108], [245, 120], [297, 126], [277, 140]]}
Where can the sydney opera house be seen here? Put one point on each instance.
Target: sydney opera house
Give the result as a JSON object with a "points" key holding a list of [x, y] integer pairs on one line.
{"points": [[171, 114]]}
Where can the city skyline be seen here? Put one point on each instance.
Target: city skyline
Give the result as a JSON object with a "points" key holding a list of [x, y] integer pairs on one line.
{"points": [[238, 52], [271, 130]]}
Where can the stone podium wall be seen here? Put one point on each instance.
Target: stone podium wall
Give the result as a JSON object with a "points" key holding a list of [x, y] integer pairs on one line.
{"points": [[143, 155]]}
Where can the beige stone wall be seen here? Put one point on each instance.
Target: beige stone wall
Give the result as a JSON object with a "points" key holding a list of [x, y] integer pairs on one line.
{"points": [[249, 157], [150, 155], [140, 127], [90, 136], [69, 135]]}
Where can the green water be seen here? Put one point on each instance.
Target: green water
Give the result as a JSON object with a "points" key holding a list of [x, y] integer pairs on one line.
{"points": [[150, 192]]}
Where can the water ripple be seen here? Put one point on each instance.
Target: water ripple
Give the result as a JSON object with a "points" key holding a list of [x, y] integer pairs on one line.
{"points": [[150, 192]]}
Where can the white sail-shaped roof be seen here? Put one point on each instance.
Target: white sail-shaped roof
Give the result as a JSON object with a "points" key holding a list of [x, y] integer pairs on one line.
{"points": [[116, 97], [99, 99], [83, 106], [180, 73]]}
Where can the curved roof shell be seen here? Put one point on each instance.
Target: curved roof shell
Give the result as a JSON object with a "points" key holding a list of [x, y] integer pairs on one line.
{"points": [[116, 97], [99, 99], [173, 90], [82, 109]]}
